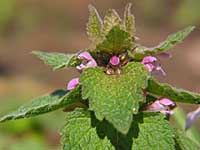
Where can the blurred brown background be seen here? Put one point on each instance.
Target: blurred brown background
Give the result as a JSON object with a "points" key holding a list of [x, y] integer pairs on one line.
{"points": [[59, 26]]}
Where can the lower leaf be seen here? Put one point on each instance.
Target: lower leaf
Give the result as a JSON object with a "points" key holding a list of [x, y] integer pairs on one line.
{"points": [[79, 133], [154, 132], [44, 104]]}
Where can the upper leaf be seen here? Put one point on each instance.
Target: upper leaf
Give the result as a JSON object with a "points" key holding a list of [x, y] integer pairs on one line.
{"points": [[129, 20], [141, 51], [154, 132], [111, 19], [57, 60], [44, 104], [183, 142], [166, 90], [94, 24], [80, 133], [116, 41], [115, 97]]}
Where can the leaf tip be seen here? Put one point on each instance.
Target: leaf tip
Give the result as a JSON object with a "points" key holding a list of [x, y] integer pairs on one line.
{"points": [[91, 7]]}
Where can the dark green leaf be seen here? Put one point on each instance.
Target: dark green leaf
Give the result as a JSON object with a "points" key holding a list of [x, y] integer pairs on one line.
{"points": [[154, 132], [57, 60], [142, 51], [80, 133], [116, 41], [45, 104], [166, 90], [115, 97]]}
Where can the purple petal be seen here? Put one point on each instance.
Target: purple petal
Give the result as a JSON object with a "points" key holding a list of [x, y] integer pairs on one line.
{"points": [[160, 70], [149, 59], [72, 84], [164, 55], [81, 67], [167, 112], [191, 118], [115, 60], [167, 102], [85, 55], [155, 107], [149, 67], [91, 63]]}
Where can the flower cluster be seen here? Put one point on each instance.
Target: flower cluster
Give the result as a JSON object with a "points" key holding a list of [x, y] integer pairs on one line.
{"points": [[151, 63], [88, 61]]}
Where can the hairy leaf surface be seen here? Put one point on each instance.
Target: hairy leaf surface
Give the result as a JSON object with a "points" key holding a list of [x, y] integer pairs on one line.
{"points": [[94, 25], [116, 41], [44, 104], [79, 133], [115, 97], [154, 132], [57, 60], [166, 90]]}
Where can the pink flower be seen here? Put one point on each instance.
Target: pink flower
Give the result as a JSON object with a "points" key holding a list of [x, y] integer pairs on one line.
{"points": [[114, 60], [85, 55], [152, 65], [163, 105], [87, 61], [191, 118], [72, 84]]}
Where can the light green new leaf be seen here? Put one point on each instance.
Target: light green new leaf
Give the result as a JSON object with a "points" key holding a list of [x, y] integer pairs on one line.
{"points": [[111, 19], [80, 133], [129, 20], [94, 24], [183, 142], [45, 104], [115, 97], [116, 41], [166, 90], [154, 132], [57, 60], [142, 51]]}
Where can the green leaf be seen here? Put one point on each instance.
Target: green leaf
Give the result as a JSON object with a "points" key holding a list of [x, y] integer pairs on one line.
{"points": [[115, 97], [94, 24], [142, 51], [111, 19], [183, 142], [45, 104], [154, 132], [80, 133], [129, 20], [116, 41], [166, 90], [57, 60]]}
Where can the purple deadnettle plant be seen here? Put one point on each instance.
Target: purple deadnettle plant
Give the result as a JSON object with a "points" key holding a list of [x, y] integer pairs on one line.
{"points": [[122, 106]]}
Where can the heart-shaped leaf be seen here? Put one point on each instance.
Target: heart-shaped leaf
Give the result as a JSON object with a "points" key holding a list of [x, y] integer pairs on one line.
{"points": [[115, 97]]}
